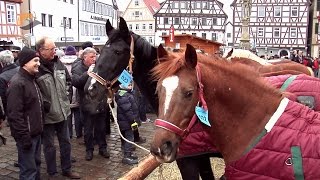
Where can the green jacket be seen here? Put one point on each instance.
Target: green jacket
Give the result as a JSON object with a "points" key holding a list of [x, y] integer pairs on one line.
{"points": [[55, 85]]}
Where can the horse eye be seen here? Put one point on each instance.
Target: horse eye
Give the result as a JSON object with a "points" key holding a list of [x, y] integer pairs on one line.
{"points": [[188, 94], [117, 52]]}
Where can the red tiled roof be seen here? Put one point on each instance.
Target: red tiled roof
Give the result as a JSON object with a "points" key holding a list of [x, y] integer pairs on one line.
{"points": [[153, 5]]}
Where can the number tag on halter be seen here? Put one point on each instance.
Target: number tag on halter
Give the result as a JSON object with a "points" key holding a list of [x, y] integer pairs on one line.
{"points": [[125, 78], [203, 115]]}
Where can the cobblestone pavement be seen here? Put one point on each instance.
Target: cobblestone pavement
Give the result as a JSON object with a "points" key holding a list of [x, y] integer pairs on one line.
{"points": [[99, 168]]}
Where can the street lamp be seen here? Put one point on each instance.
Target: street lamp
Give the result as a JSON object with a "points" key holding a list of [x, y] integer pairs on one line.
{"points": [[306, 48]]}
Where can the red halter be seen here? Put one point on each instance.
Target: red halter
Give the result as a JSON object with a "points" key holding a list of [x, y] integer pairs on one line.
{"points": [[175, 129]]}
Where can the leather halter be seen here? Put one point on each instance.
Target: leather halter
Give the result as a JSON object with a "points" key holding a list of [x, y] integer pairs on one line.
{"points": [[175, 129], [108, 84]]}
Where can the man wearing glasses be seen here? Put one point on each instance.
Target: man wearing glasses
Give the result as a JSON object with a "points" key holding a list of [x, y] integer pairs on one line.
{"points": [[55, 85]]}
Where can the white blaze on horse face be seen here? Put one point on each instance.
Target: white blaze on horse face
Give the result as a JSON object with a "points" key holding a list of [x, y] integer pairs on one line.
{"points": [[170, 84], [92, 83]]}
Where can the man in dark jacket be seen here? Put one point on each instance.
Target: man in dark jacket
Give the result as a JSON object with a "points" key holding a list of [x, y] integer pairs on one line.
{"points": [[92, 122], [55, 85], [9, 69], [25, 114]]}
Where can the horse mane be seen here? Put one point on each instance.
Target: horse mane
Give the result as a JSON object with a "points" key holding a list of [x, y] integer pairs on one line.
{"points": [[142, 48], [172, 63]]}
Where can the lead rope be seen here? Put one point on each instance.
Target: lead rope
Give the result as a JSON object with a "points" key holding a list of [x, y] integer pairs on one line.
{"points": [[118, 128]]}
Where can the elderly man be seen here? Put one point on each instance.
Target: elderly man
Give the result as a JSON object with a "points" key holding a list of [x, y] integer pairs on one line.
{"points": [[91, 121], [9, 69], [55, 85]]}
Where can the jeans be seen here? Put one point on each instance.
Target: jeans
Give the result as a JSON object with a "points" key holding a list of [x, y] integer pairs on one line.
{"points": [[30, 160], [125, 146], [142, 108], [95, 124], [49, 150], [70, 125], [191, 167], [78, 121]]}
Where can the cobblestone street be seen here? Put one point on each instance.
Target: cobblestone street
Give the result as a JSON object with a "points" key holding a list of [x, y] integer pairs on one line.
{"points": [[99, 168]]}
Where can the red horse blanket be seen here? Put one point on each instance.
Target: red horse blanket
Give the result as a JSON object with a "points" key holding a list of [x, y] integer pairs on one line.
{"points": [[302, 85], [290, 148]]}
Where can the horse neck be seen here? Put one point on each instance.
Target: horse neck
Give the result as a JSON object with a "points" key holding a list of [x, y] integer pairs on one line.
{"points": [[239, 103], [141, 75]]}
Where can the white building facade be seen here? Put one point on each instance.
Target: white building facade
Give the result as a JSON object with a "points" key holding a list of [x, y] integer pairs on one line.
{"points": [[70, 22], [202, 18], [139, 18]]}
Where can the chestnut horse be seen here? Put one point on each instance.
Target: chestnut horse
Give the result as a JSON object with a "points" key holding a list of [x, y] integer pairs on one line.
{"points": [[261, 134], [264, 67]]}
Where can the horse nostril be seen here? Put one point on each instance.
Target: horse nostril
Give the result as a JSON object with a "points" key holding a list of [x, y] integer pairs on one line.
{"points": [[166, 148]]}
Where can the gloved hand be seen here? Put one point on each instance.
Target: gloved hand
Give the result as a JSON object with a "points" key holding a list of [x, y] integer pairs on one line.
{"points": [[26, 143], [91, 68]]}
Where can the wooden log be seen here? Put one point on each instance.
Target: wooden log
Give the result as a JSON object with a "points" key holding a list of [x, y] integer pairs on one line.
{"points": [[143, 169]]}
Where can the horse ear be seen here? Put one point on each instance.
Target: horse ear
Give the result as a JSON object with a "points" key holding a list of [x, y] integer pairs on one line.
{"points": [[123, 28], [229, 53], [191, 56], [109, 27], [161, 53]]}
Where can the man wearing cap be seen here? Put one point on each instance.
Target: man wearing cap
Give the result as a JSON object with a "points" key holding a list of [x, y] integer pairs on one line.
{"points": [[24, 113], [15, 51], [9, 69], [55, 85]]}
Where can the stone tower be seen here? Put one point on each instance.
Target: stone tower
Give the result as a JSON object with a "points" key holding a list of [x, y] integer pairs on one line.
{"points": [[245, 36]]}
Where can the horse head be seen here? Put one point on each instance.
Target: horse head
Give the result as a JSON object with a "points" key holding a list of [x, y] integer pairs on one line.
{"points": [[113, 59], [178, 97]]}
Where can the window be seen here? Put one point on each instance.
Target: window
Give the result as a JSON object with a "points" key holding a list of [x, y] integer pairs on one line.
{"points": [[214, 36], [137, 26], [64, 0], [205, 5], [204, 35], [150, 40], [277, 11], [150, 26], [130, 26], [276, 32], [194, 34], [260, 32], [183, 5], [136, 2], [11, 13], [198, 5], [214, 21], [294, 11], [228, 35], [136, 13], [293, 32], [43, 19], [194, 21], [71, 1], [69, 22], [193, 5], [204, 21], [165, 21], [143, 26], [84, 2], [261, 11], [176, 20], [50, 20]]}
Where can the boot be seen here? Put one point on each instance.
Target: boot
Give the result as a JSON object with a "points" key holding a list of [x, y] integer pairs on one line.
{"points": [[129, 159], [89, 155]]}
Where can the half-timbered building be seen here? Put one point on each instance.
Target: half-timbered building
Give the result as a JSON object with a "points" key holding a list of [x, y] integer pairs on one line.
{"points": [[275, 26], [202, 18], [10, 33]]}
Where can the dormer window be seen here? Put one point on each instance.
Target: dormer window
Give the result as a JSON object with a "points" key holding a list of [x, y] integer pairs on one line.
{"points": [[136, 2]]}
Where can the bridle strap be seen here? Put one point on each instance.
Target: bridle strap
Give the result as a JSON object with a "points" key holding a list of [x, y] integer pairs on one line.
{"points": [[108, 84], [175, 129]]}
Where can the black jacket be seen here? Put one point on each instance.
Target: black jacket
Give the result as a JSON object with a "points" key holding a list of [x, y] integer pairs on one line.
{"points": [[24, 107], [127, 109], [7, 73], [79, 78]]}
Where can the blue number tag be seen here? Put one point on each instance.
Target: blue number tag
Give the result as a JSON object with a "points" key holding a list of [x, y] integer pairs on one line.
{"points": [[125, 78], [203, 115]]}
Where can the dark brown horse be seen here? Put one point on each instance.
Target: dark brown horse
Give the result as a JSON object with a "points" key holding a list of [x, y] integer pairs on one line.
{"points": [[261, 134]]}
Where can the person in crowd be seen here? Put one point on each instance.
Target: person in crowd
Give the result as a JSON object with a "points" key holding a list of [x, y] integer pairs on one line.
{"points": [[15, 51], [59, 53], [69, 57], [83, 46], [93, 123], [55, 85], [315, 66], [127, 115], [24, 110], [9, 69]]}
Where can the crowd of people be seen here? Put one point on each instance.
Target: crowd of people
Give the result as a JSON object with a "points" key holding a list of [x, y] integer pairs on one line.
{"points": [[42, 94]]}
